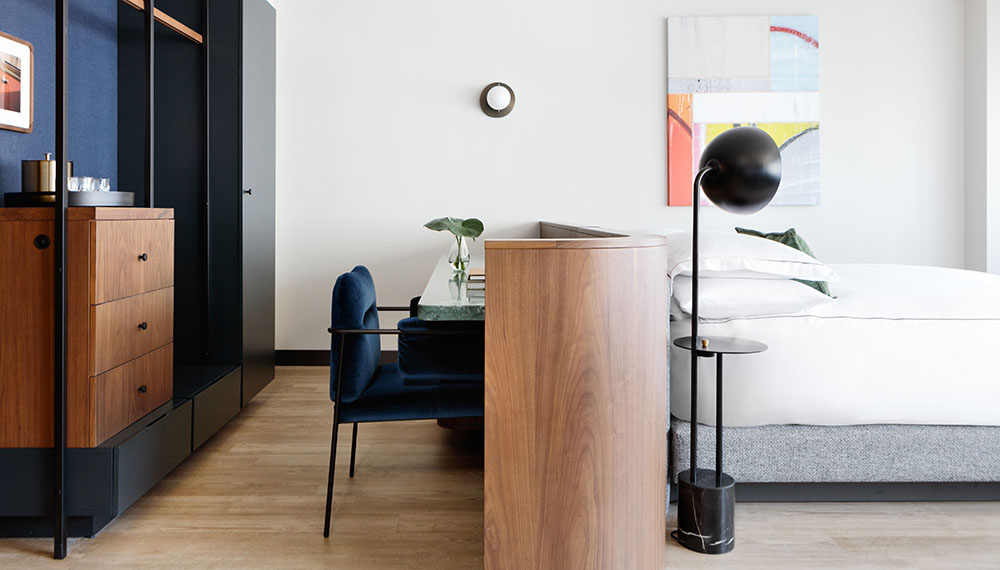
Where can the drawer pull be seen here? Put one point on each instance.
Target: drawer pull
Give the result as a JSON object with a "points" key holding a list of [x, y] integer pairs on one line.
{"points": [[143, 257], [143, 325], [142, 389]]}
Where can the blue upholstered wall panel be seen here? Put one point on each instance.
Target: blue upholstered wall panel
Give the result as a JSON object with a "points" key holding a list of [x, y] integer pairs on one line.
{"points": [[93, 92]]}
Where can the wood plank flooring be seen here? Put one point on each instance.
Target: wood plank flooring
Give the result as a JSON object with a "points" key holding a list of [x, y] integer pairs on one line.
{"points": [[252, 497]]}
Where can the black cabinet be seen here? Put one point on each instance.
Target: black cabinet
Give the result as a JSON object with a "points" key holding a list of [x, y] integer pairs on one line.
{"points": [[258, 87], [214, 137], [214, 164]]}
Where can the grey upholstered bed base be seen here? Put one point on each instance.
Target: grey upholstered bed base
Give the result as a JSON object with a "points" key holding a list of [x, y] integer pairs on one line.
{"points": [[866, 462]]}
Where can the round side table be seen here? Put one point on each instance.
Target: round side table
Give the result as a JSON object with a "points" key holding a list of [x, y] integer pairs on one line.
{"points": [[705, 503]]}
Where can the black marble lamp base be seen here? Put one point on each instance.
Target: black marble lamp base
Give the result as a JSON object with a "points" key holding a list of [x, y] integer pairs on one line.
{"points": [[705, 512]]}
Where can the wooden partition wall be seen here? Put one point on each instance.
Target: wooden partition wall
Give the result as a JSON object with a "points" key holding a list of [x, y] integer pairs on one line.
{"points": [[576, 403]]}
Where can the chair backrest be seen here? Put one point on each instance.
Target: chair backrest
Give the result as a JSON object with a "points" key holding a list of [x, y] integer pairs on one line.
{"points": [[354, 307]]}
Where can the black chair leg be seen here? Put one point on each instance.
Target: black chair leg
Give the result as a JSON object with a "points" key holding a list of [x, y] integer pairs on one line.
{"points": [[354, 446], [329, 481]]}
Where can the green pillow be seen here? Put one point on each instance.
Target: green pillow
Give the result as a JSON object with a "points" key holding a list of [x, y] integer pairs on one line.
{"points": [[792, 239]]}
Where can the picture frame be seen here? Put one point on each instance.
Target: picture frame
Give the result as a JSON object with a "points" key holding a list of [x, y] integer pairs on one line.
{"points": [[17, 84]]}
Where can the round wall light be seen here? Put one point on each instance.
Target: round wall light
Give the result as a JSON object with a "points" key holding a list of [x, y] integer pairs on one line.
{"points": [[497, 100]]}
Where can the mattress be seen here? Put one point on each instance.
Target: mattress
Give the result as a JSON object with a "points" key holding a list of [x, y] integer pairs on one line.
{"points": [[898, 345]]}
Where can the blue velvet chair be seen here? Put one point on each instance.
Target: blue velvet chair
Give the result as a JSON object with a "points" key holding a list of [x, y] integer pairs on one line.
{"points": [[363, 390]]}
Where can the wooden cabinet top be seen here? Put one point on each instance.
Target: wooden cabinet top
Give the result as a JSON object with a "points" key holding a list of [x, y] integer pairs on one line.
{"points": [[622, 242], [86, 213]]}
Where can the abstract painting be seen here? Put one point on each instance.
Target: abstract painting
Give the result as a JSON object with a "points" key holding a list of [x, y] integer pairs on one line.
{"points": [[725, 72]]}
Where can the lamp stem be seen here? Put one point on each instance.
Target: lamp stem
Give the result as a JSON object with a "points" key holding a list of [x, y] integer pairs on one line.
{"points": [[695, 201]]}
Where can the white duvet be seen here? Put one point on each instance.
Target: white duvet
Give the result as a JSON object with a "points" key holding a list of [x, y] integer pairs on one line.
{"points": [[899, 345]]}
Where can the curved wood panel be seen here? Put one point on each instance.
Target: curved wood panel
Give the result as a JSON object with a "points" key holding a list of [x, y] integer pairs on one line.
{"points": [[576, 408]]}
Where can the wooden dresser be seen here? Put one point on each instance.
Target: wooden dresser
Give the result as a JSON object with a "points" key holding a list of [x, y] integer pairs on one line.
{"points": [[120, 277]]}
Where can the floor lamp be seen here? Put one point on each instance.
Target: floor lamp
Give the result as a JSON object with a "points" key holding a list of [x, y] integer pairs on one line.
{"points": [[739, 171]]}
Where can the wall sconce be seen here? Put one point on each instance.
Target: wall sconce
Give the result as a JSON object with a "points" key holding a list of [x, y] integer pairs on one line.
{"points": [[497, 100]]}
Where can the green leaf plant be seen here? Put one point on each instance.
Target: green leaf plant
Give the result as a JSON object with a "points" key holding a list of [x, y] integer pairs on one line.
{"points": [[469, 228]]}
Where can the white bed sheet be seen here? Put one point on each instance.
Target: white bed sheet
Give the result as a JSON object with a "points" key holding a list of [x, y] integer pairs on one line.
{"points": [[899, 345]]}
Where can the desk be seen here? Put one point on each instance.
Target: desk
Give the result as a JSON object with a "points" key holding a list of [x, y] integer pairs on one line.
{"points": [[576, 396], [447, 296]]}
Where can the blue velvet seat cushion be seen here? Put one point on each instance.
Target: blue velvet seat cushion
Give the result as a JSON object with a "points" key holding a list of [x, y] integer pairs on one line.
{"points": [[427, 359], [354, 307], [389, 398]]}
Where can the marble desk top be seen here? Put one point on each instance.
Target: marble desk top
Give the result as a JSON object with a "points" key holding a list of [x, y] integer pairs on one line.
{"points": [[447, 296]]}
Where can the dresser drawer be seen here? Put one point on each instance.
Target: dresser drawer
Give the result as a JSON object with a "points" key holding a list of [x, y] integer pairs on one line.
{"points": [[131, 257], [130, 327], [132, 390]]}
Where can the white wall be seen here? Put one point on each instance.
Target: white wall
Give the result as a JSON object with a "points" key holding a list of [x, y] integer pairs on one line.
{"points": [[992, 235], [982, 141], [975, 134], [379, 130]]}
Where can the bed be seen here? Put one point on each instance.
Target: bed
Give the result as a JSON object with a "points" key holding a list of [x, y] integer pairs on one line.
{"points": [[893, 382], [888, 392]]}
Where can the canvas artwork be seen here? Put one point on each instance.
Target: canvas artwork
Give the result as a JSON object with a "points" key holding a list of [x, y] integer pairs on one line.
{"points": [[736, 71]]}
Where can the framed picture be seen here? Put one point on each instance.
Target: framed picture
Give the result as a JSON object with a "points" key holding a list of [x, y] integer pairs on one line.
{"points": [[16, 84]]}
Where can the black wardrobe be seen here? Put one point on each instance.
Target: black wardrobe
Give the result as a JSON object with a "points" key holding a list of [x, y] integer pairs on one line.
{"points": [[221, 186]]}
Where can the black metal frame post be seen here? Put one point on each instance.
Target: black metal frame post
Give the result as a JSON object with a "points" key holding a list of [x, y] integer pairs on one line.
{"points": [[149, 33], [333, 438], [59, 241], [354, 446], [59, 531], [718, 420], [695, 202], [206, 99]]}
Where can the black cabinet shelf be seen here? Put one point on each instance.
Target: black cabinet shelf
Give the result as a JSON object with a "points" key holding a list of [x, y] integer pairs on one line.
{"points": [[102, 482], [192, 379]]}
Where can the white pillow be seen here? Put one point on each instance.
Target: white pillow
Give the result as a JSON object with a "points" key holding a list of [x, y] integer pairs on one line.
{"points": [[729, 254], [733, 298]]}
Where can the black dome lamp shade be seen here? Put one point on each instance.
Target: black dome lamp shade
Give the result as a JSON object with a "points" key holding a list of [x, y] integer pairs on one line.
{"points": [[739, 171], [744, 170]]}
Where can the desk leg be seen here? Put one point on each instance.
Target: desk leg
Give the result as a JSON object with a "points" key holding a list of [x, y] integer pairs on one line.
{"points": [[718, 420]]}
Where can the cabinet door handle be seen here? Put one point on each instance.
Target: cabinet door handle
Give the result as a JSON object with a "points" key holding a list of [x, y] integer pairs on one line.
{"points": [[142, 389], [143, 257], [143, 325]]}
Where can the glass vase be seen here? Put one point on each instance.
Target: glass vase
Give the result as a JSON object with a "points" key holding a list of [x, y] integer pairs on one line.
{"points": [[458, 255]]}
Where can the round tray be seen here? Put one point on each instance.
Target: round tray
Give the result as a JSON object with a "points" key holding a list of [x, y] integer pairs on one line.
{"points": [[35, 199]]}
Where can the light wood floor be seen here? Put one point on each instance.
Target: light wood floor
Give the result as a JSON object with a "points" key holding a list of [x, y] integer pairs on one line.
{"points": [[252, 497]]}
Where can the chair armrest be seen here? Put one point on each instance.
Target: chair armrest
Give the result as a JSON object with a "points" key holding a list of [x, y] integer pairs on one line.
{"points": [[395, 331], [394, 309]]}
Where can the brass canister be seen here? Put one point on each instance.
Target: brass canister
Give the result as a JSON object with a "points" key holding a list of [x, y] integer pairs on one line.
{"points": [[40, 175]]}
